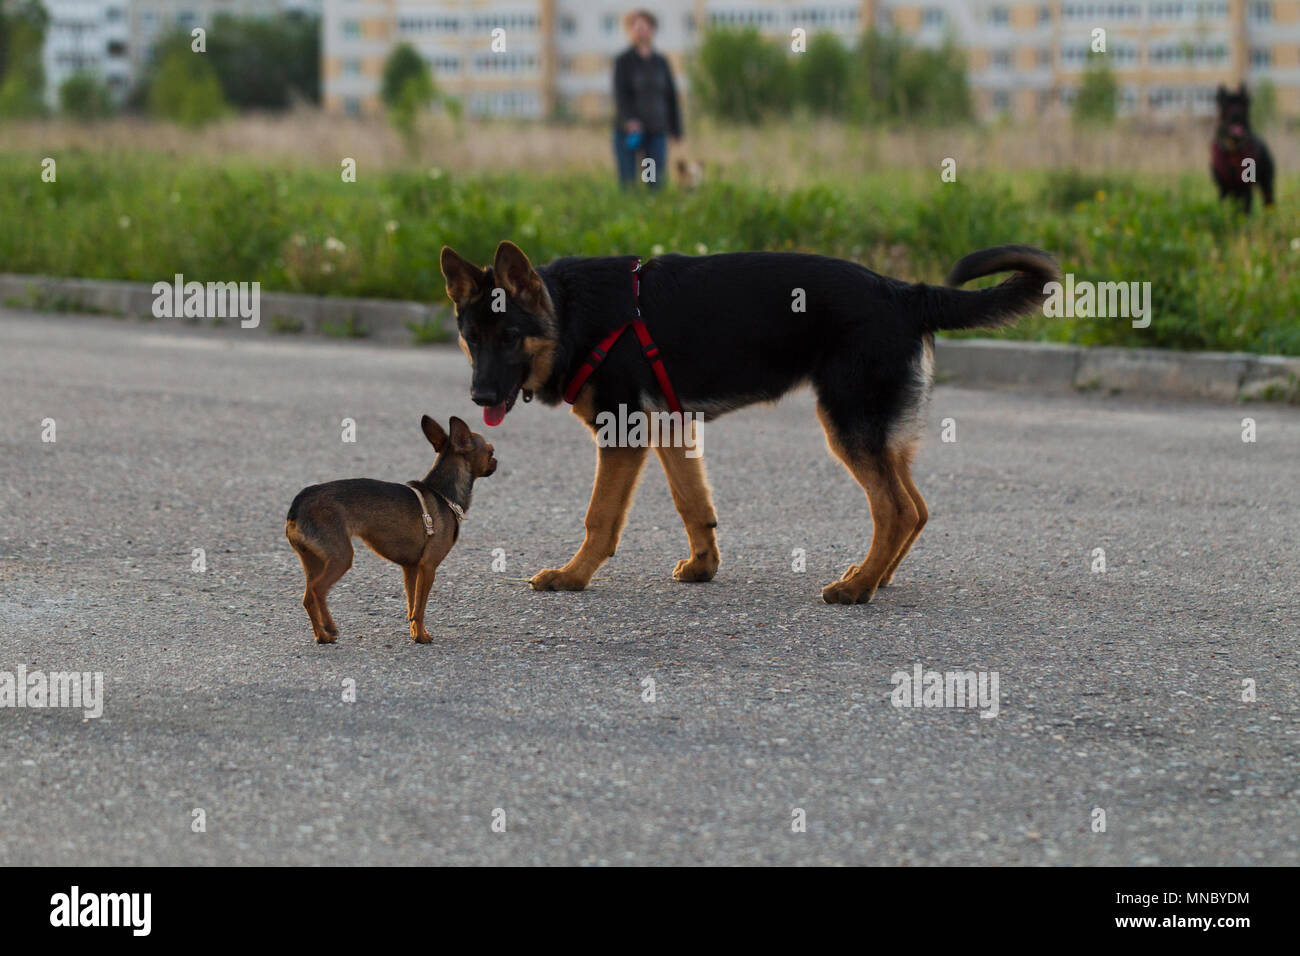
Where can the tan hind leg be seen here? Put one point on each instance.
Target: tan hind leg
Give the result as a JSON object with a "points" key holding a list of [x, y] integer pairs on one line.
{"points": [[690, 490], [617, 471], [408, 582], [903, 467], [893, 517], [337, 563], [312, 566]]}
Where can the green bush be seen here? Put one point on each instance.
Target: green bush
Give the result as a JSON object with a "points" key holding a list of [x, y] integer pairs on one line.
{"points": [[740, 76], [407, 90], [824, 76], [1097, 101], [896, 81], [22, 70], [265, 63], [183, 86], [83, 96]]}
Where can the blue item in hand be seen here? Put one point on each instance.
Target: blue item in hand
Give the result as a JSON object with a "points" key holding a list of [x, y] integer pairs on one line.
{"points": [[633, 140]]}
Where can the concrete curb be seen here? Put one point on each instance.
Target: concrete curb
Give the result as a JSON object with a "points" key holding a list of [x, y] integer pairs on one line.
{"points": [[1216, 376], [284, 313]]}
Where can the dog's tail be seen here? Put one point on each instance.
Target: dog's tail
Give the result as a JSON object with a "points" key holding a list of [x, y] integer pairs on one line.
{"points": [[1002, 304]]}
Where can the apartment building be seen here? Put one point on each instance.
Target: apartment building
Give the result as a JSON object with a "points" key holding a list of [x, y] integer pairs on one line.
{"points": [[86, 36], [1026, 58], [557, 55], [112, 39], [1168, 56]]}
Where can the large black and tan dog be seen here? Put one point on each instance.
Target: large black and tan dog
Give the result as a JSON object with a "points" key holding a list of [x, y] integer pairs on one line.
{"points": [[729, 332]]}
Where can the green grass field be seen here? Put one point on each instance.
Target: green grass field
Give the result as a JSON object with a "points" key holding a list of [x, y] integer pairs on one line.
{"points": [[1218, 281]]}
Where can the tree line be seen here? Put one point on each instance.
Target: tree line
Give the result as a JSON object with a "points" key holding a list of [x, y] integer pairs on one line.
{"points": [[238, 63]]}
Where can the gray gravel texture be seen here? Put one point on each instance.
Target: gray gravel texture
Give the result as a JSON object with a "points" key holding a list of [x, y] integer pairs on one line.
{"points": [[1120, 690]]}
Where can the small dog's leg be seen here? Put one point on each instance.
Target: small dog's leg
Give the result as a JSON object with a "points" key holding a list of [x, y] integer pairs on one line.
{"points": [[423, 582], [336, 565], [690, 490], [617, 471], [312, 566], [408, 583]]}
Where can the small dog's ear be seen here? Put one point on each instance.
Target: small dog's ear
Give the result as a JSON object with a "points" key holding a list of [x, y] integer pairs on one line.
{"points": [[433, 431], [1221, 93], [514, 273], [1243, 92], [462, 439], [463, 277]]}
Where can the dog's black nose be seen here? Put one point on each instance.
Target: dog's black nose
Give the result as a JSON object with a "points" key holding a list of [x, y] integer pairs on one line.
{"points": [[483, 396]]}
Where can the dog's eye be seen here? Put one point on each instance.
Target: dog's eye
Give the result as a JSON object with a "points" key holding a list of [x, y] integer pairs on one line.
{"points": [[509, 339]]}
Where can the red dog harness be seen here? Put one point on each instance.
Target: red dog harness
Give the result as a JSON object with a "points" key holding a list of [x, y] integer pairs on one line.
{"points": [[647, 346], [1227, 164]]}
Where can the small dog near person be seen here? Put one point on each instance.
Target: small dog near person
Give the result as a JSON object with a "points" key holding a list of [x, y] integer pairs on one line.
{"points": [[1239, 160], [716, 333], [414, 525]]}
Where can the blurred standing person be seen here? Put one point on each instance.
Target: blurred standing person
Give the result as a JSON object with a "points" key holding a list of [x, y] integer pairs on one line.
{"points": [[645, 101]]}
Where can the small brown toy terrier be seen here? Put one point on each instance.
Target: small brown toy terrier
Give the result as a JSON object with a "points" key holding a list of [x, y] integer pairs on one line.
{"points": [[413, 525]]}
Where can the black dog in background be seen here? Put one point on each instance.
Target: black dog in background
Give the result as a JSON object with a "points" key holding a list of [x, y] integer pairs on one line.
{"points": [[1234, 143]]}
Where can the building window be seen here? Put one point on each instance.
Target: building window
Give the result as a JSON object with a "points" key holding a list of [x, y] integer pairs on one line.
{"points": [[1044, 14], [932, 17], [999, 17], [351, 29], [351, 106], [1001, 100], [1001, 59], [443, 64], [1261, 11], [1261, 57]]}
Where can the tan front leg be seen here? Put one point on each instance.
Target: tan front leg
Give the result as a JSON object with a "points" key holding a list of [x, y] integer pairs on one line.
{"points": [[617, 471], [690, 489], [408, 582], [423, 582]]}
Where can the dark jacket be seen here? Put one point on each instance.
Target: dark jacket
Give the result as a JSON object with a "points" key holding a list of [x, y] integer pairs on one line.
{"points": [[644, 90]]}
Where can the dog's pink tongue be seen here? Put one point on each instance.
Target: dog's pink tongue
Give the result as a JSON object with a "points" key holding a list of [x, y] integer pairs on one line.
{"points": [[494, 415]]}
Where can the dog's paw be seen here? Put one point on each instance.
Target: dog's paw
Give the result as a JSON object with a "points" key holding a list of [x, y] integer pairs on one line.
{"points": [[326, 638], [423, 638], [696, 568], [841, 592], [557, 579]]}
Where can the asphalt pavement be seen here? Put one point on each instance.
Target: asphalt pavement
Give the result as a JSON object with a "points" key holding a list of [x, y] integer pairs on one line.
{"points": [[1163, 691]]}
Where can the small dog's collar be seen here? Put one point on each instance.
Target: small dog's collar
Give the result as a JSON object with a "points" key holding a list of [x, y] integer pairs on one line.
{"points": [[456, 509]]}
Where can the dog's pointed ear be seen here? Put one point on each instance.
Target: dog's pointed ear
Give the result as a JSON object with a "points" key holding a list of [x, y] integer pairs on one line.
{"points": [[461, 437], [1221, 93], [433, 431], [514, 273], [463, 277], [1243, 92]]}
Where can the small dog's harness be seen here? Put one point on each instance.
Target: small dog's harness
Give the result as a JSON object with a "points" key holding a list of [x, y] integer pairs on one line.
{"points": [[647, 346], [456, 509]]}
